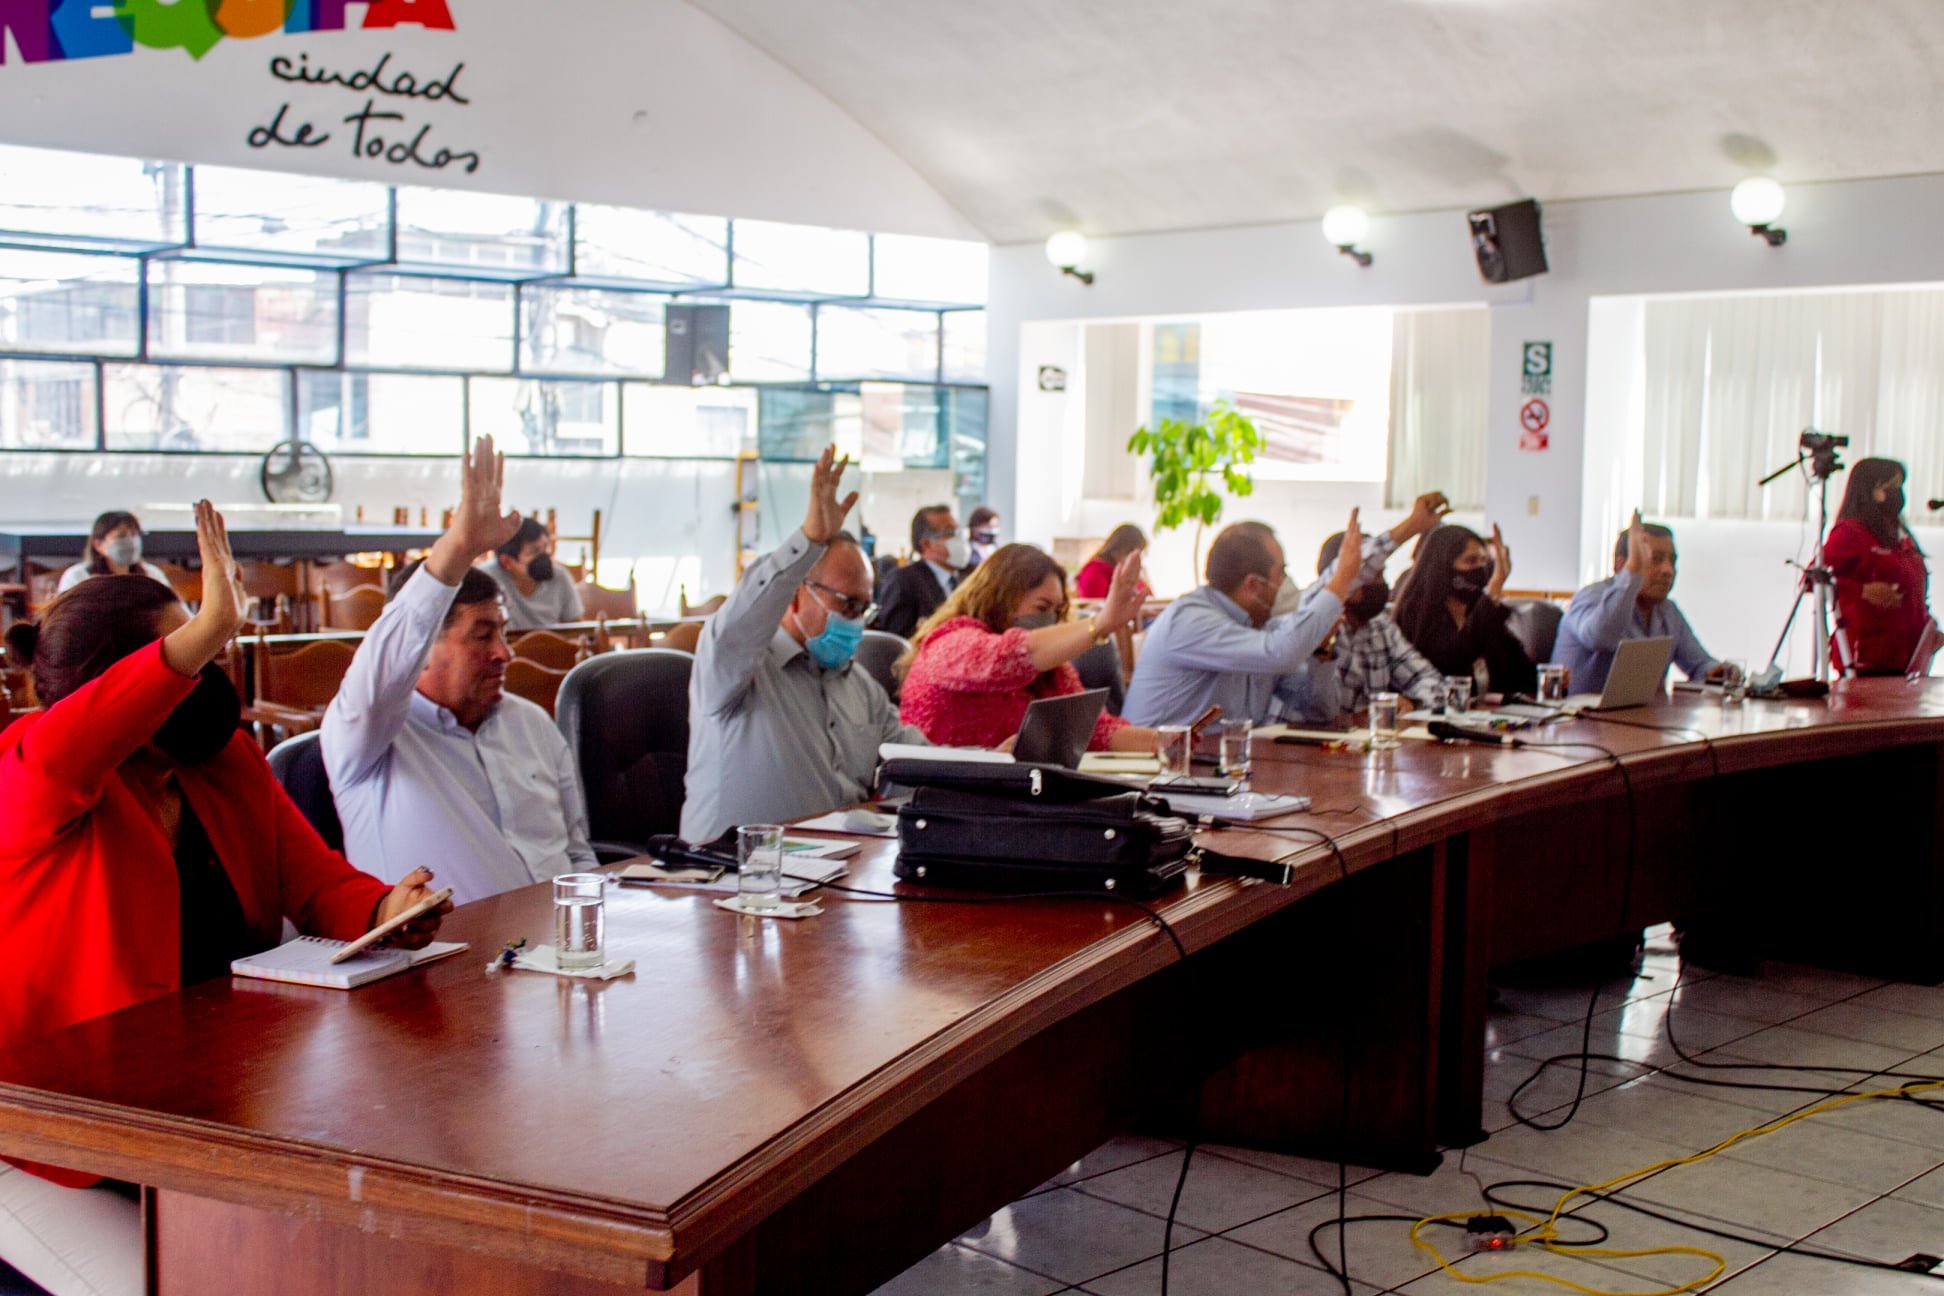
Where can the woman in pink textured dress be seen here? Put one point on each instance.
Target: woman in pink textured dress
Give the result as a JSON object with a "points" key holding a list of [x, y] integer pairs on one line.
{"points": [[1003, 640]]}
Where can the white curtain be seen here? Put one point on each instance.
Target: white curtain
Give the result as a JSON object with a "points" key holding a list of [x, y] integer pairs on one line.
{"points": [[1440, 363]]}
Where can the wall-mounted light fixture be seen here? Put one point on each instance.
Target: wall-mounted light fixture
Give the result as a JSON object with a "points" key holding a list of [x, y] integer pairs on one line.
{"points": [[1757, 202], [1345, 227], [1068, 250]]}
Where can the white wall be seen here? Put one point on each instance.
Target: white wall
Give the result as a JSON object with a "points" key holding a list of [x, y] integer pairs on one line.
{"points": [[1869, 232]]}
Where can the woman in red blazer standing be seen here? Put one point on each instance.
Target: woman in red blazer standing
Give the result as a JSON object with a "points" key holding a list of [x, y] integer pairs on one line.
{"points": [[144, 843], [1882, 583]]}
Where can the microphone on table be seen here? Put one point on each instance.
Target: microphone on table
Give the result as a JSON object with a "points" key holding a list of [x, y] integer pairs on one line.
{"points": [[1459, 733], [670, 849]]}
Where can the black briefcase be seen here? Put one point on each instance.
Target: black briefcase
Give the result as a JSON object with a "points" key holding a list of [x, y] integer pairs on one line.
{"points": [[1119, 843]]}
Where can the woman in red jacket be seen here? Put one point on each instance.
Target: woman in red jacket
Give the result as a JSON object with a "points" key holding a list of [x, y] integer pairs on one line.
{"points": [[143, 844], [1882, 584], [1096, 576], [1002, 640]]}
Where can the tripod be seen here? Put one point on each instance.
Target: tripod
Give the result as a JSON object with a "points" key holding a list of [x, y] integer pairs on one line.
{"points": [[1819, 452]]}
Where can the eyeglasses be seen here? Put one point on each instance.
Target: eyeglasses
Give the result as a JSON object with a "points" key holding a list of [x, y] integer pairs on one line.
{"points": [[844, 605]]}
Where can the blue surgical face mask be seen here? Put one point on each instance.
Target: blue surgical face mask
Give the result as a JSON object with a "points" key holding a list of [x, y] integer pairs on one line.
{"points": [[838, 642]]}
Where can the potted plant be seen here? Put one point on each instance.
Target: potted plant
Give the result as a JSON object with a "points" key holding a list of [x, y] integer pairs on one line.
{"points": [[1193, 464]]}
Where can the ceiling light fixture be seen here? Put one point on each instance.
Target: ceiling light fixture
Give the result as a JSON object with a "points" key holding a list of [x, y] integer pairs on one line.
{"points": [[1757, 202], [1068, 251], [1345, 227]]}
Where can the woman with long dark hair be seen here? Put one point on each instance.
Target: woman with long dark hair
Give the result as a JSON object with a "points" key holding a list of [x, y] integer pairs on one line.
{"points": [[1882, 582], [1449, 608], [144, 844], [1097, 574], [114, 549]]}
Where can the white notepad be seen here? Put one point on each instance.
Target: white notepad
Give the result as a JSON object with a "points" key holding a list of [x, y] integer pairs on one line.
{"points": [[307, 961]]}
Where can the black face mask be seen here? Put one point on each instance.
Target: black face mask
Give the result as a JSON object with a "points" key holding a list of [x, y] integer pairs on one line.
{"points": [[1468, 586], [203, 723], [540, 568], [1894, 505], [1371, 598]]}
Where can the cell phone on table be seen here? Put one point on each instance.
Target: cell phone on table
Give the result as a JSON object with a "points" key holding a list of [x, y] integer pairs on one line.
{"points": [[392, 924], [1204, 720]]}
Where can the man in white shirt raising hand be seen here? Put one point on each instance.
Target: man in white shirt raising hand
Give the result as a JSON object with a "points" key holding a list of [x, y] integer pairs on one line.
{"points": [[429, 759]]}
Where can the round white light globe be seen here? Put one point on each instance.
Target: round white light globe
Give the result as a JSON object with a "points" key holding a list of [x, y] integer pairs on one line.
{"points": [[1756, 201], [1067, 248], [1343, 226]]}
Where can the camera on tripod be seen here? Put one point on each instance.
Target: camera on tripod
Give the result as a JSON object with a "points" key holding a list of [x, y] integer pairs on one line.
{"points": [[1819, 448]]}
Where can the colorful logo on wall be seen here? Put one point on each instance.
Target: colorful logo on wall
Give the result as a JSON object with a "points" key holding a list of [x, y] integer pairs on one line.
{"points": [[46, 31]]}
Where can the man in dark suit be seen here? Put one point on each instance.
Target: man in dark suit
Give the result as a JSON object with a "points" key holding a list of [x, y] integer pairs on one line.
{"points": [[913, 592]]}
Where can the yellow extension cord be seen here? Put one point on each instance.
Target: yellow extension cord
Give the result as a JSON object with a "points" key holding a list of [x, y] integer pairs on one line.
{"points": [[1546, 1234]]}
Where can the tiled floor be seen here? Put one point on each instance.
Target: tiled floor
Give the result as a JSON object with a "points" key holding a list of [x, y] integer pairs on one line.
{"points": [[1863, 1180]]}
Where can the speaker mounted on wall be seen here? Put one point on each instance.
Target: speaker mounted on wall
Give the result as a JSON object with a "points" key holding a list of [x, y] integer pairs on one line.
{"points": [[695, 347], [1508, 243]]}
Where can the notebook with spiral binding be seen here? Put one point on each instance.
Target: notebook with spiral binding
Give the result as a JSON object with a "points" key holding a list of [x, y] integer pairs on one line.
{"points": [[307, 961]]}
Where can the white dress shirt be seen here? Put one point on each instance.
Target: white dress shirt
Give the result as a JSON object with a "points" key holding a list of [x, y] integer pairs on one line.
{"points": [[486, 811]]}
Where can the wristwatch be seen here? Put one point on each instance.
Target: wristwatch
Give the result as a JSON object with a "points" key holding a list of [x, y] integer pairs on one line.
{"points": [[1100, 636]]}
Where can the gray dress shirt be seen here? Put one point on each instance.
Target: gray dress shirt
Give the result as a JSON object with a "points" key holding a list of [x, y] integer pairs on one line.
{"points": [[554, 601], [1203, 651], [773, 736], [486, 811], [1608, 611]]}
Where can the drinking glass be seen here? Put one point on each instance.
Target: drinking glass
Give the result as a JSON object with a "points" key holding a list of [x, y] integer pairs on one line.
{"points": [[1734, 682], [1457, 690], [1174, 744], [1383, 720], [759, 865], [580, 920], [1552, 683], [1235, 748]]}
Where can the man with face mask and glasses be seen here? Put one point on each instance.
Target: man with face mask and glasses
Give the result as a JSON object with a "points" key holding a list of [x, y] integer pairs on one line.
{"points": [[537, 593], [1222, 646], [1371, 654], [940, 555], [781, 723]]}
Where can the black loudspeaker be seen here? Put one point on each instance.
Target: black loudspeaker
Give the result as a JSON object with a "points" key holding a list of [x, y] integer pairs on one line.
{"points": [[695, 349], [1507, 242]]}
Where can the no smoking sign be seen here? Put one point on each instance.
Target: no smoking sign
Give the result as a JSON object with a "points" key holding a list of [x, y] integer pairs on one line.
{"points": [[1534, 415]]}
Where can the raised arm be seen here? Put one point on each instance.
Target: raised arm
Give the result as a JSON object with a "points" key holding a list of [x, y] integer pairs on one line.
{"points": [[371, 705], [1600, 621]]}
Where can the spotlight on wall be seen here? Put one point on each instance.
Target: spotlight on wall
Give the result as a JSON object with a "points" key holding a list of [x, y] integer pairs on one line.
{"points": [[1068, 250], [1345, 227], [1757, 202]]}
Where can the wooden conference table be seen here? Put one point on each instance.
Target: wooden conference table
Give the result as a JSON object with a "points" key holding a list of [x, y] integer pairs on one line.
{"points": [[811, 1106]]}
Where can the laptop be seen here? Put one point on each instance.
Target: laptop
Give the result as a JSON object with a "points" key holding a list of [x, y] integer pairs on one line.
{"points": [[1639, 671], [1056, 730]]}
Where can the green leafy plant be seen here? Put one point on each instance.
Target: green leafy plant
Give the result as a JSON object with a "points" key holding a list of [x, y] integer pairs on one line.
{"points": [[1192, 464]]}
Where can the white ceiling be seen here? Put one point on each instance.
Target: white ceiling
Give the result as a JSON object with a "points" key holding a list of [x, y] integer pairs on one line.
{"points": [[1118, 116]]}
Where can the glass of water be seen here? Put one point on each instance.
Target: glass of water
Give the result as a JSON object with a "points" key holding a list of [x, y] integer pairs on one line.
{"points": [[1235, 747], [580, 920], [1457, 691], [1552, 683], [759, 865], [1175, 745], [1734, 682], [1383, 720]]}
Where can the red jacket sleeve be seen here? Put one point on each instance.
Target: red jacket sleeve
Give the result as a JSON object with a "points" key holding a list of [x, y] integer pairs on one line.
{"points": [[52, 770], [1847, 548], [321, 892], [964, 656]]}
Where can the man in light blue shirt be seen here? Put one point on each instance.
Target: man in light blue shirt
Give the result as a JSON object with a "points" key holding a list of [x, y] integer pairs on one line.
{"points": [[1221, 645], [1632, 603], [430, 761]]}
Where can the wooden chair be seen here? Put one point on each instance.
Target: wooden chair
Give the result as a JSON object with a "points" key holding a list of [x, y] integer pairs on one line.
{"points": [[598, 601], [591, 542], [545, 648], [294, 688], [684, 636], [353, 609], [536, 683], [186, 583], [704, 608], [341, 577], [43, 583]]}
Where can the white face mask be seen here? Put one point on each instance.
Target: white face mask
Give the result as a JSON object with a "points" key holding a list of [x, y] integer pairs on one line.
{"points": [[957, 552], [123, 551]]}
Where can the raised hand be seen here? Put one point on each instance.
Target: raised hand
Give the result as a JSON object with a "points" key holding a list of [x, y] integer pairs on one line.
{"points": [[224, 604], [826, 514], [1124, 595], [1638, 544], [1349, 564], [1501, 556], [1426, 512], [478, 526]]}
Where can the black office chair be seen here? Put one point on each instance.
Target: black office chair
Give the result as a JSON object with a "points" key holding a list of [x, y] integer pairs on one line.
{"points": [[298, 764], [877, 652], [1100, 667], [626, 719], [1535, 624]]}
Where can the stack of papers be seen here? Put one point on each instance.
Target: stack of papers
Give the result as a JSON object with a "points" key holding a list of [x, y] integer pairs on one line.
{"points": [[918, 751]]}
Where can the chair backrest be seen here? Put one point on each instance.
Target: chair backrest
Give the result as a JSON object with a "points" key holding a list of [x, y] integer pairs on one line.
{"points": [[267, 580], [307, 677], [1535, 624], [600, 601], [534, 682], [340, 577], [683, 637], [545, 648], [876, 653], [187, 584], [298, 764], [357, 608], [1100, 667], [625, 716], [704, 608]]}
